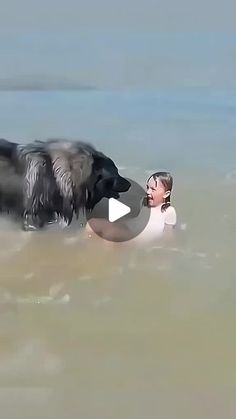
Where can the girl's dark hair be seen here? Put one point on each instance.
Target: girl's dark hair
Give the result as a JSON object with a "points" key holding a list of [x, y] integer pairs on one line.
{"points": [[167, 181]]}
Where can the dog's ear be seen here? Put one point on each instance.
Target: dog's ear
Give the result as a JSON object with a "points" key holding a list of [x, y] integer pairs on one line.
{"points": [[81, 170], [104, 165], [62, 174], [38, 184], [71, 169]]}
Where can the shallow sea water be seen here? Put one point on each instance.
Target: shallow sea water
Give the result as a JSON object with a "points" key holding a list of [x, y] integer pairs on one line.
{"points": [[96, 331]]}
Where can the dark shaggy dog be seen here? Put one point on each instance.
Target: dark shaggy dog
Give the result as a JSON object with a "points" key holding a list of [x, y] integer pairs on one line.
{"points": [[56, 178]]}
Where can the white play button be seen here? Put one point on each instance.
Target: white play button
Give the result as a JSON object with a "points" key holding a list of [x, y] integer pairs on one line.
{"points": [[122, 219], [117, 210]]}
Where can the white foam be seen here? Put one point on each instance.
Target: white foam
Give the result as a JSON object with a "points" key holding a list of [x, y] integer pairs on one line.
{"points": [[31, 359], [55, 289], [7, 298], [69, 241], [29, 275], [85, 278]]}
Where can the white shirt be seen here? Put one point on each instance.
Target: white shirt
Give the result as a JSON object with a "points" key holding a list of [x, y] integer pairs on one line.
{"points": [[156, 224]]}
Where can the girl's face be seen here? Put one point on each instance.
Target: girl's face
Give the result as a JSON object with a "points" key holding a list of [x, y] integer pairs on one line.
{"points": [[156, 192]]}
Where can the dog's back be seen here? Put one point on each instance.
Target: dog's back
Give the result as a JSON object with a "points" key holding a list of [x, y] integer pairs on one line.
{"points": [[7, 148], [11, 198]]}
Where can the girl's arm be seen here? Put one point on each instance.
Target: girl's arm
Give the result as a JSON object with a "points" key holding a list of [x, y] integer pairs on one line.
{"points": [[170, 221]]}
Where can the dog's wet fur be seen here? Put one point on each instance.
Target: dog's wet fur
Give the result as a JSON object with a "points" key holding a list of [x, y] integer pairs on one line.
{"points": [[44, 180]]}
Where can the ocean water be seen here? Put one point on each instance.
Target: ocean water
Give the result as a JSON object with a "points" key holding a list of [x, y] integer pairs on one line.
{"points": [[99, 331]]}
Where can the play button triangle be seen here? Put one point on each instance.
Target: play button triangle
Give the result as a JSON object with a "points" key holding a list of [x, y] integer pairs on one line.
{"points": [[117, 210]]}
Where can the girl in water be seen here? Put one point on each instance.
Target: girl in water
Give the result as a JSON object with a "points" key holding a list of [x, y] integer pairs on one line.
{"points": [[162, 213], [158, 199]]}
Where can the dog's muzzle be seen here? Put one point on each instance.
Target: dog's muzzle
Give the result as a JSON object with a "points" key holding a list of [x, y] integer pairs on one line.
{"points": [[120, 184]]}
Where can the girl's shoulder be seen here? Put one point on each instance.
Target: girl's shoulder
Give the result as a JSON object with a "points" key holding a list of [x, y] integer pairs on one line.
{"points": [[170, 216]]}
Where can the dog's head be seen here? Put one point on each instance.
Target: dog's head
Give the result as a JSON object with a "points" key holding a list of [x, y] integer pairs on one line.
{"points": [[84, 174], [105, 181]]}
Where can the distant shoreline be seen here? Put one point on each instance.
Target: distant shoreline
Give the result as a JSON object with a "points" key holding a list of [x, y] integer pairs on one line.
{"points": [[8, 85]]}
